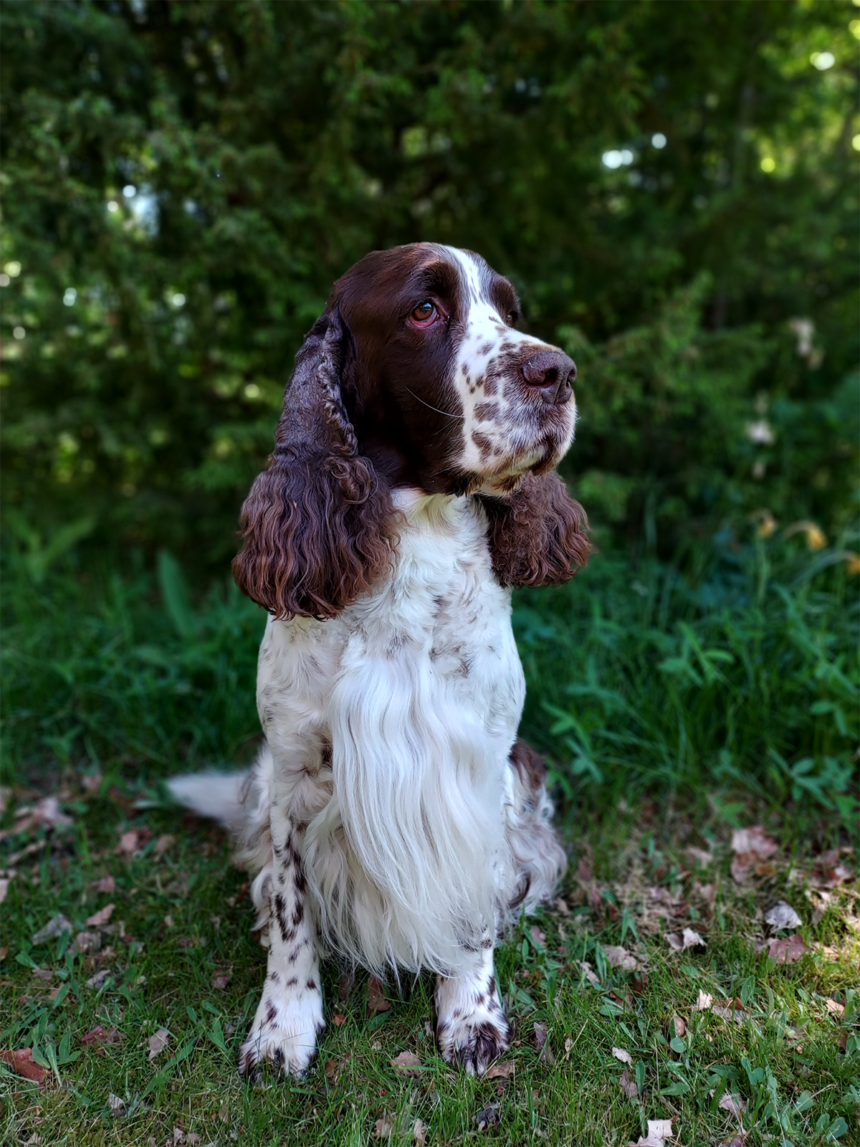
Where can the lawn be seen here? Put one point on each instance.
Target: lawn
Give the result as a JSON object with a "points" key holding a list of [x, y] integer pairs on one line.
{"points": [[698, 972]]}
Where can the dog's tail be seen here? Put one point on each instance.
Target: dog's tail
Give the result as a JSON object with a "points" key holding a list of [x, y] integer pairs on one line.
{"points": [[218, 796], [239, 801]]}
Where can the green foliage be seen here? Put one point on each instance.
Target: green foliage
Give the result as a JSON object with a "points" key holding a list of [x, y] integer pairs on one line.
{"points": [[183, 181]]}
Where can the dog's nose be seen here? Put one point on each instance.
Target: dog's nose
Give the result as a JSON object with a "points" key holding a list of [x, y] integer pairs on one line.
{"points": [[552, 373]]}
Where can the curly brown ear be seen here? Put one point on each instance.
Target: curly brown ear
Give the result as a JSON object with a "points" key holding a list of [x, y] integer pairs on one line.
{"points": [[319, 524], [537, 534]]}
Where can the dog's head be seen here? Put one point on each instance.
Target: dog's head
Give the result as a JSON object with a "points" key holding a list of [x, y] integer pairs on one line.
{"points": [[413, 376]]}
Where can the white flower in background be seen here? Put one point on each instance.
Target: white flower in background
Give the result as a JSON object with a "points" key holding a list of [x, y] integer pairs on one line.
{"points": [[804, 329], [761, 432]]}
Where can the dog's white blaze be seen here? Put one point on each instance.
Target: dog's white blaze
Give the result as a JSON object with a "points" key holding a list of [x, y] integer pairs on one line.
{"points": [[505, 441]]}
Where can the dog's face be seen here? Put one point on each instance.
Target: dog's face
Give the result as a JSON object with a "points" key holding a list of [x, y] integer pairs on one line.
{"points": [[444, 393], [414, 376]]}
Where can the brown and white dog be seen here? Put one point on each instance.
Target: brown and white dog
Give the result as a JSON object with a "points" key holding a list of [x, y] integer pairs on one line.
{"points": [[394, 820]]}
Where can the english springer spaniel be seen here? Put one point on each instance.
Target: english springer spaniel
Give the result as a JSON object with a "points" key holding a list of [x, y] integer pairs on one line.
{"points": [[394, 819]]}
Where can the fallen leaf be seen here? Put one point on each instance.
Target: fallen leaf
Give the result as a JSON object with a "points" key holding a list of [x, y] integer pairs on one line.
{"points": [[158, 1042], [44, 974], [178, 1135], [787, 949], [376, 1001], [55, 927], [703, 1002], [100, 918], [733, 1103], [384, 1128], [538, 936], [754, 839], [501, 1070], [99, 1035], [621, 1054], [419, 1132], [827, 871], [834, 1008], [628, 1084], [332, 1070], [48, 813], [106, 884], [487, 1118], [659, 1130], [562, 906], [752, 847], [191, 1138], [162, 844], [679, 1026], [589, 972], [338, 1019], [131, 841], [782, 916], [116, 1105], [220, 981], [85, 942], [4, 887], [22, 1063], [700, 856], [690, 938], [728, 1013], [405, 1061], [618, 957], [99, 980]]}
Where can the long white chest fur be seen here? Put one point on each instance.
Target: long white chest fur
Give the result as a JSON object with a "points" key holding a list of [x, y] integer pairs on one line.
{"points": [[390, 728]]}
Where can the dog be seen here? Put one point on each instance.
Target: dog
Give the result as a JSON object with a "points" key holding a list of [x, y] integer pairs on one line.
{"points": [[394, 820]]}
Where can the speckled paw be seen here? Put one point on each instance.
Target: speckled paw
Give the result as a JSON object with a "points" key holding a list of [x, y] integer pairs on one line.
{"points": [[474, 1041], [283, 1035]]}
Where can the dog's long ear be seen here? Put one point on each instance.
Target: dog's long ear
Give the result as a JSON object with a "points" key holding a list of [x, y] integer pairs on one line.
{"points": [[537, 534], [318, 525]]}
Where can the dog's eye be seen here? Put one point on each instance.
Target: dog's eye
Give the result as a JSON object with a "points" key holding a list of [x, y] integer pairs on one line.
{"points": [[424, 313], [511, 318]]}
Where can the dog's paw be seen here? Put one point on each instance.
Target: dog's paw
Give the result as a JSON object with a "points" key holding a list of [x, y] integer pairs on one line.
{"points": [[475, 1039], [284, 1034]]}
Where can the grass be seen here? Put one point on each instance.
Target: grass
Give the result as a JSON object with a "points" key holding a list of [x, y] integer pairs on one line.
{"points": [[676, 704]]}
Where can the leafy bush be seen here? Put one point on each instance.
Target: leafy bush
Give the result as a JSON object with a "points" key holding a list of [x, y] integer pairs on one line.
{"points": [[671, 189]]}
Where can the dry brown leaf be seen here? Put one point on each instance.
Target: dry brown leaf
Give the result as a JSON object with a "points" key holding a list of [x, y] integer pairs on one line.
{"points": [[376, 1001], [55, 927], [106, 884], [116, 1105], [752, 848], [728, 1013], [44, 974], [690, 938], [158, 1042], [85, 942], [561, 906], [100, 918], [419, 1132], [700, 856], [220, 980], [622, 1055], [828, 871], [733, 1103], [47, 812], [162, 844], [538, 936], [703, 1002], [4, 887], [782, 916], [787, 949], [834, 1008], [98, 1035], [618, 957], [501, 1070], [659, 1130], [487, 1118], [589, 972], [405, 1062], [628, 1084], [338, 1019], [332, 1070], [679, 1026], [22, 1063], [132, 841], [384, 1128]]}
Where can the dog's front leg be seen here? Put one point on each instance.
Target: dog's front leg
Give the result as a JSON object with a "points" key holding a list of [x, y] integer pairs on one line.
{"points": [[471, 1028], [290, 1012]]}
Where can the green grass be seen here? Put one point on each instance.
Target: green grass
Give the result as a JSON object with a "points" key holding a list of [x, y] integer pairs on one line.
{"points": [[674, 703]]}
